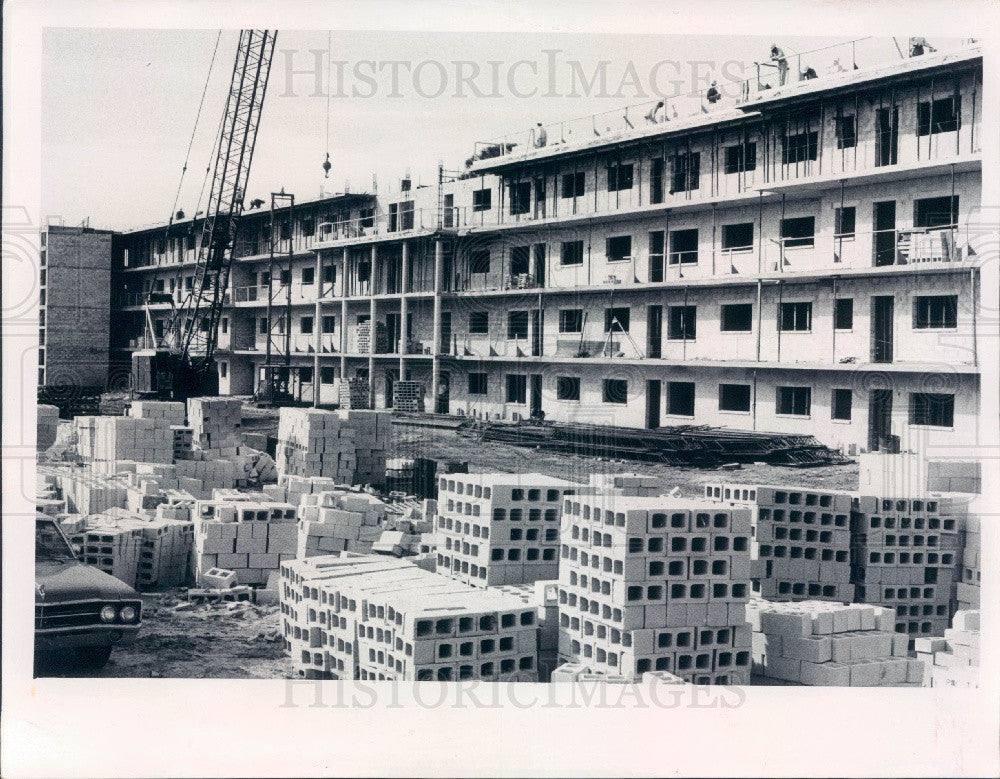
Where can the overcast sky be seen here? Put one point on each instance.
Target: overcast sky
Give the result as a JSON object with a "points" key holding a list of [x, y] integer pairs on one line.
{"points": [[118, 106]]}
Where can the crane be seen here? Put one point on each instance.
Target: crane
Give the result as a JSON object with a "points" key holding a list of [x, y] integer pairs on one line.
{"points": [[183, 363]]}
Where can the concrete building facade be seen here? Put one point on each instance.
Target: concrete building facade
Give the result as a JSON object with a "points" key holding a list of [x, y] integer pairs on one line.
{"points": [[798, 259], [74, 315]]}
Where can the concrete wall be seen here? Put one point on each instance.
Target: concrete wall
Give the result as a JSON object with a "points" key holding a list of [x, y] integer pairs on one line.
{"points": [[77, 306]]}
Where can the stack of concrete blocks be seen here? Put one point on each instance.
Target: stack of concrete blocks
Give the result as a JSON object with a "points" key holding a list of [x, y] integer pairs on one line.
{"points": [[574, 671], [408, 396], [85, 492], [801, 547], [246, 536], [654, 583], [124, 438], [47, 426], [355, 394], [183, 441], [172, 412], [905, 555], [112, 545], [500, 528], [211, 474], [347, 446], [365, 337], [378, 618], [215, 422], [50, 507], [150, 484], [830, 645], [913, 473], [339, 521], [544, 597], [391, 542], [167, 549], [966, 590], [952, 661]]}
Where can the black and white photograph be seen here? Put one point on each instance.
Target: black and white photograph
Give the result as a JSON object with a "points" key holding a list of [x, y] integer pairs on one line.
{"points": [[494, 389]]}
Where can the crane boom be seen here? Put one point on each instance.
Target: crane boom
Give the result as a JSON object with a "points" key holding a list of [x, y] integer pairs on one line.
{"points": [[192, 333]]}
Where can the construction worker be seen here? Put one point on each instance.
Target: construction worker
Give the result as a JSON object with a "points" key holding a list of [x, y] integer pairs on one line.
{"points": [[713, 95], [653, 115], [778, 58], [919, 46], [541, 137], [807, 74]]}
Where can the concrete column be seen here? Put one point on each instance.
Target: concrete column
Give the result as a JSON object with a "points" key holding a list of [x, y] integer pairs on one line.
{"points": [[403, 310], [436, 346], [317, 326], [372, 338], [343, 319]]}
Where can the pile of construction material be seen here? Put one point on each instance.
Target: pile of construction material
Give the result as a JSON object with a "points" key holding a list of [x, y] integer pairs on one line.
{"points": [[347, 446], [378, 618], [654, 583], [172, 412], [802, 540], [830, 645], [966, 593], [48, 425], [952, 661], [905, 554], [576, 671], [355, 393], [123, 438], [144, 552], [247, 533], [338, 521], [215, 422], [365, 338], [408, 396], [500, 528], [543, 596]]}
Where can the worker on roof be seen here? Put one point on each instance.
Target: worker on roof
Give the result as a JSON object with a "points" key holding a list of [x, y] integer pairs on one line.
{"points": [[778, 58], [919, 46], [807, 74], [653, 115], [541, 137], [713, 95]]}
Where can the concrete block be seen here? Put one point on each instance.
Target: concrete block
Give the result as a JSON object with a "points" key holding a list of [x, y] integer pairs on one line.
{"points": [[831, 674], [814, 649]]}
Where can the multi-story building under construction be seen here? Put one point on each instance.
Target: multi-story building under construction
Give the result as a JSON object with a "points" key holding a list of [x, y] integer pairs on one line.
{"points": [[800, 258]]}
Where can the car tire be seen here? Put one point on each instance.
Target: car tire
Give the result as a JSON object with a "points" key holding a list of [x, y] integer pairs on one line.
{"points": [[93, 658]]}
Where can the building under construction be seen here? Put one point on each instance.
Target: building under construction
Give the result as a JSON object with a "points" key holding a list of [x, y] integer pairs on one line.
{"points": [[797, 258]]}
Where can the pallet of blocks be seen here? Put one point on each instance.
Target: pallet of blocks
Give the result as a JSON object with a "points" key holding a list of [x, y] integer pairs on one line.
{"points": [[339, 521], [905, 555], [408, 396], [112, 545], [347, 446], [165, 558], [171, 411], [828, 644], [123, 438], [215, 422], [801, 546], [655, 583], [363, 617], [248, 537], [84, 491], [953, 660], [355, 393], [966, 590]]}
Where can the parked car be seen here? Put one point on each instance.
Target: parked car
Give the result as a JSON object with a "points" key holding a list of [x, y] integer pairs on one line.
{"points": [[81, 613]]}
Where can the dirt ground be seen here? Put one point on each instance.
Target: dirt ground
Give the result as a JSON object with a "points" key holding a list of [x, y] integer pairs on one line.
{"points": [[215, 642], [448, 445], [203, 642]]}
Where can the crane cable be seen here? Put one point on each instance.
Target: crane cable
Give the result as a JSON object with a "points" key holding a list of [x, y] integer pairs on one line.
{"points": [[329, 90], [187, 155]]}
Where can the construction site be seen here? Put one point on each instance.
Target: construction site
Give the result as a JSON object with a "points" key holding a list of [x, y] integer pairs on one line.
{"points": [[644, 397]]}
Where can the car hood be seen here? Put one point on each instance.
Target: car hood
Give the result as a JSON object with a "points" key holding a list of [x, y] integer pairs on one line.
{"points": [[68, 580]]}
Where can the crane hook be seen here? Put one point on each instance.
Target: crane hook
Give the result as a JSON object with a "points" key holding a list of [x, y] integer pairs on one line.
{"points": [[327, 166]]}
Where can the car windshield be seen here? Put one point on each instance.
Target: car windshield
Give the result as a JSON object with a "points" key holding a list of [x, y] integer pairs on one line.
{"points": [[50, 544]]}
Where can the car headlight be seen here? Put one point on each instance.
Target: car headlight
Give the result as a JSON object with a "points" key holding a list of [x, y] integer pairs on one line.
{"points": [[108, 614], [128, 614]]}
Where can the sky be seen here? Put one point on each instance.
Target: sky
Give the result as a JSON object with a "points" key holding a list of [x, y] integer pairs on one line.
{"points": [[119, 105]]}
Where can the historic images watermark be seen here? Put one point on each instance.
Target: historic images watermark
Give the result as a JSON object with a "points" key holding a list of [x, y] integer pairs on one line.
{"points": [[477, 694], [313, 73]]}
